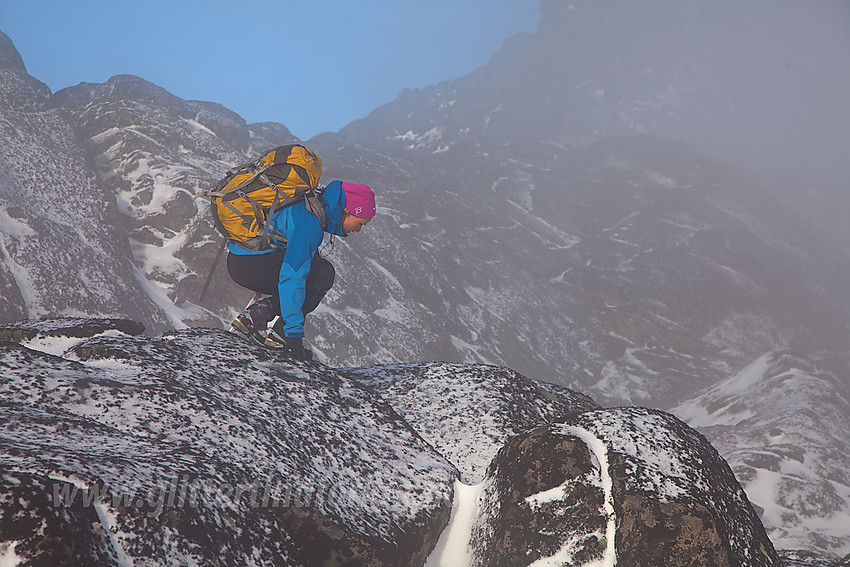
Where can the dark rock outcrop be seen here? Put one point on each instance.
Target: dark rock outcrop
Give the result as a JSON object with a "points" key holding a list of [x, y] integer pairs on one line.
{"points": [[73, 327], [633, 483], [198, 447]]}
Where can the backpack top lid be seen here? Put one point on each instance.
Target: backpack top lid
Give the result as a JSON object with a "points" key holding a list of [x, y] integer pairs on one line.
{"points": [[288, 167]]}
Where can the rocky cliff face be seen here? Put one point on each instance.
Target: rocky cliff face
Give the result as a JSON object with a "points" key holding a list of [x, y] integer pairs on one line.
{"points": [[154, 152], [61, 241], [197, 447]]}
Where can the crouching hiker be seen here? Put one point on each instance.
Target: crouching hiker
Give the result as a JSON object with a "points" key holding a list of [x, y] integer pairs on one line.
{"points": [[274, 217], [292, 274]]}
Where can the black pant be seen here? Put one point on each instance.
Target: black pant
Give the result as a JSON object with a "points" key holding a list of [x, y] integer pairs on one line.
{"points": [[261, 273]]}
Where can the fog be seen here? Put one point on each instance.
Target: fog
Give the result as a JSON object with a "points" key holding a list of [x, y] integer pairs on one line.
{"points": [[763, 83], [781, 70]]}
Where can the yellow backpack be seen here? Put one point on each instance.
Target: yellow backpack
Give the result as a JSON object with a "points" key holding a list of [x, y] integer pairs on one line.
{"points": [[249, 194]]}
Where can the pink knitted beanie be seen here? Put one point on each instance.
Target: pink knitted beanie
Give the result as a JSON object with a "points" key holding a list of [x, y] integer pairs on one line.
{"points": [[359, 200]]}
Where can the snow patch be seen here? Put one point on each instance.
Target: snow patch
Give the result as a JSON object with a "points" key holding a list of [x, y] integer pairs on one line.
{"points": [[661, 180], [8, 557], [57, 346], [599, 451], [453, 546], [427, 139], [697, 415], [24, 281]]}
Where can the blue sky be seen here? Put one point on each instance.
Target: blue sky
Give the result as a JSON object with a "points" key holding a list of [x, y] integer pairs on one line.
{"points": [[313, 65]]}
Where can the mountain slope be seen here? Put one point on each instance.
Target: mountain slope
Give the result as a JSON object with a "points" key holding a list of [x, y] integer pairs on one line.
{"points": [[781, 423], [62, 250], [602, 267], [636, 268]]}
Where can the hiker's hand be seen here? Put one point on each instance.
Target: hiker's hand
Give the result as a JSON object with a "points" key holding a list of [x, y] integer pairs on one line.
{"points": [[295, 346]]}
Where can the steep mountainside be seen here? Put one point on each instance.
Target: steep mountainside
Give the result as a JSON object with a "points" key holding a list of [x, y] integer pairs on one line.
{"points": [[154, 152], [782, 424], [605, 266], [61, 242], [635, 267]]}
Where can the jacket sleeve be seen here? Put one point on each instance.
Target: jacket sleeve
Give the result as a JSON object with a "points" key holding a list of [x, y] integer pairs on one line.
{"points": [[303, 237]]}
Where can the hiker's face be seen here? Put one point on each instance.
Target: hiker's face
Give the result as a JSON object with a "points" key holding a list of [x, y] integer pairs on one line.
{"points": [[350, 223]]}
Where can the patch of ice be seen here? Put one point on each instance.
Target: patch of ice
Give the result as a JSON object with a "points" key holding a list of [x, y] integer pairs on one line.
{"points": [[661, 180]]}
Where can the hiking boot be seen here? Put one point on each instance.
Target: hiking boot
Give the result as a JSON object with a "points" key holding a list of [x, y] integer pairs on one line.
{"points": [[274, 340], [293, 347], [244, 323], [252, 322]]}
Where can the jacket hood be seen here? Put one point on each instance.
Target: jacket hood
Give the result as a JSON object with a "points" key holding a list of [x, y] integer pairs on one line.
{"points": [[333, 199]]}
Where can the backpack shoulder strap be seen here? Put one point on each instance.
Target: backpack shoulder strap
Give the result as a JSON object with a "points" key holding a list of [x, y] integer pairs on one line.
{"points": [[315, 206]]}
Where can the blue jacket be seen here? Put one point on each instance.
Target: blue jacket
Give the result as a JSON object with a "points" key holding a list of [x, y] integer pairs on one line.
{"points": [[304, 235]]}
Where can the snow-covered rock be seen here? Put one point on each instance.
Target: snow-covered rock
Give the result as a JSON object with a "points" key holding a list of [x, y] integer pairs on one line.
{"points": [[624, 486], [469, 411], [198, 447]]}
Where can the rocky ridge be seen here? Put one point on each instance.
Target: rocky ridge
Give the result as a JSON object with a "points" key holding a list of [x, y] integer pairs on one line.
{"points": [[60, 236], [197, 446]]}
